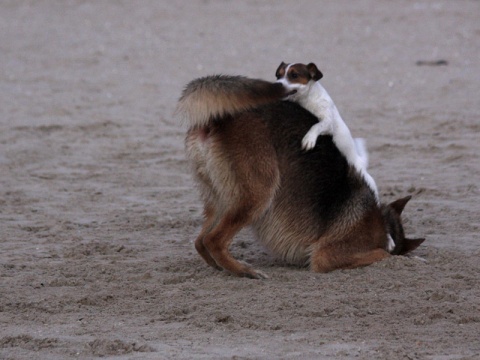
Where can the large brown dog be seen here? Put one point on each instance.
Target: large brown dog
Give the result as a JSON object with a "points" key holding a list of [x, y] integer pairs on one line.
{"points": [[313, 208]]}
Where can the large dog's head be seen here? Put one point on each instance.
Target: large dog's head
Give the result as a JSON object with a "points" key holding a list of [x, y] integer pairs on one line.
{"points": [[393, 222], [297, 78]]}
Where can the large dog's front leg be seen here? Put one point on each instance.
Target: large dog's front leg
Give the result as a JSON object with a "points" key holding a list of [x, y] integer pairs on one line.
{"points": [[335, 257]]}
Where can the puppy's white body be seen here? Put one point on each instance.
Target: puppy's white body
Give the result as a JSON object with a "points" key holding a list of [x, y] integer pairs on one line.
{"points": [[313, 97]]}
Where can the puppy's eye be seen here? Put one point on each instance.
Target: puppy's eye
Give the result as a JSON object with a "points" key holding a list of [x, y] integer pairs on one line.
{"points": [[293, 75]]}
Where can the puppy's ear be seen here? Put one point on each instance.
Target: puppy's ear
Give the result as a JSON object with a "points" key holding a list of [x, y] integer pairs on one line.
{"points": [[280, 70], [314, 72]]}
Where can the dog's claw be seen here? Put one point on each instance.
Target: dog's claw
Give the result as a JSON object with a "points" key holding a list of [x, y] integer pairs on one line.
{"points": [[308, 145], [254, 274], [308, 142], [261, 275]]}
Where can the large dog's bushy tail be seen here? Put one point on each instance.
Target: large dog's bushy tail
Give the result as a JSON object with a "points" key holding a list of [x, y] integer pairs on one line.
{"points": [[211, 97]]}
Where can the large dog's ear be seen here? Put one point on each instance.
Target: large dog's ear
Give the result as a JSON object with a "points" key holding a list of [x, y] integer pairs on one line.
{"points": [[410, 245], [399, 205], [314, 72], [281, 70]]}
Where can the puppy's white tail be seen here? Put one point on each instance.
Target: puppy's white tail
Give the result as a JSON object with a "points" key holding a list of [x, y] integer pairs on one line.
{"points": [[211, 97], [361, 147]]}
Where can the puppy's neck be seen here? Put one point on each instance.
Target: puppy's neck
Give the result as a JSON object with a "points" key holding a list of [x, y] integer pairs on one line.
{"points": [[313, 98]]}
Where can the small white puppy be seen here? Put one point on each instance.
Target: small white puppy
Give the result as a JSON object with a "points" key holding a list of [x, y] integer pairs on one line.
{"points": [[301, 81]]}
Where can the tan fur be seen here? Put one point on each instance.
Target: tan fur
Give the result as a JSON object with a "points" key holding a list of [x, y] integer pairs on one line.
{"points": [[235, 193]]}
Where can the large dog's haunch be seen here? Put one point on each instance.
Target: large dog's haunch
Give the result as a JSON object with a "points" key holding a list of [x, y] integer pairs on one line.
{"points": [[307, 207]]}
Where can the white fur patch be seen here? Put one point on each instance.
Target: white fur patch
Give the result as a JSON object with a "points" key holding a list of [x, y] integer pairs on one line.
{"points": [[420, 259], [361, 147], [391, 244]]}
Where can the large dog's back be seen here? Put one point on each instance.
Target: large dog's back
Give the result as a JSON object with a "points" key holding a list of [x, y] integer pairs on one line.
{"points": [[320, 195]]}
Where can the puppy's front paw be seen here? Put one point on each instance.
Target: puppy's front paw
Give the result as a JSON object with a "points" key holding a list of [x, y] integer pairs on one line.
{"points": [[309, 141]]}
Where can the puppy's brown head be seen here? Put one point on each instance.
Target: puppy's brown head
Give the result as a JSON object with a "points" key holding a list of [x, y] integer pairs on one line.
{"points": [[298, 73], [392, 215]]}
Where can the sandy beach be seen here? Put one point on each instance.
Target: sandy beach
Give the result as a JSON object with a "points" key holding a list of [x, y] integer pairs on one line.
{"points": [[98, 209]]}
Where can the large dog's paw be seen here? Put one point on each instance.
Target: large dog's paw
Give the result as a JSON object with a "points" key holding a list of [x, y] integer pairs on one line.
{"points": [[250, 272], [309, 141], [254, 274]]}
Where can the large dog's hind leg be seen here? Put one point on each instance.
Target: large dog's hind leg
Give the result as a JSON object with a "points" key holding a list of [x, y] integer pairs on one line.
{"points": [[333, 258], [241, 175], [209, 213], [218, 240]]}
